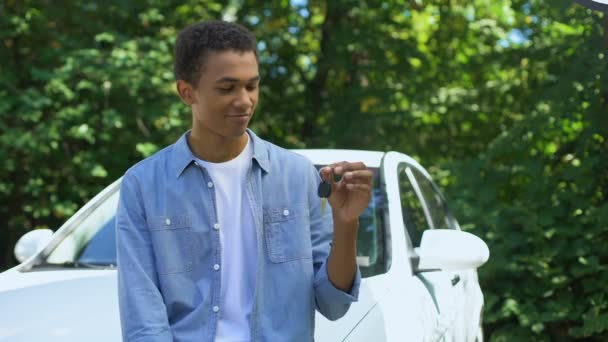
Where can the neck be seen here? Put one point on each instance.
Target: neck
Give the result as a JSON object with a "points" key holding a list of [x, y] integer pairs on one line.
{"points": [[215, 148]]}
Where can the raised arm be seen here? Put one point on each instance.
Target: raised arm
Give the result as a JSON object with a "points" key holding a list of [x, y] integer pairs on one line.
{"points": [[332, 297]]}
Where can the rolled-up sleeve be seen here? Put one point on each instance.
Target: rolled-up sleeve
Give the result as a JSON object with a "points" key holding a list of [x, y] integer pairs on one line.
{"points": [[143, 314], [330, 301]]}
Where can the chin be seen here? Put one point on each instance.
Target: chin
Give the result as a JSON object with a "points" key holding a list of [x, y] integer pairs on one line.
{"points": [[236, 133]]}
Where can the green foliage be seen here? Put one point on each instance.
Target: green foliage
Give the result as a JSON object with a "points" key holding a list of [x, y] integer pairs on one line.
{"points": [[537, 192], [508, 99]]}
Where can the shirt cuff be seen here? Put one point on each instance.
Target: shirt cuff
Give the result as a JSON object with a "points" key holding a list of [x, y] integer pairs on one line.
{"points": [[325, 286], [165, 336]]}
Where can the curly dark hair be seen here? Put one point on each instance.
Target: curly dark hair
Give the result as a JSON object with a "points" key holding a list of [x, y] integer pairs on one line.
{"points": [[196, 41]]}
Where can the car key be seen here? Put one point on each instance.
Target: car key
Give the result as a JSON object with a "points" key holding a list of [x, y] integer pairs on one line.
{"points": [[324, 192]]}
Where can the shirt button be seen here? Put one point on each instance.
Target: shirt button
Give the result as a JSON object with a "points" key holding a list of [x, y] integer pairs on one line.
{"points": [[216, 226], [210, 185], [216, 267], [168, 222], [216, 308], [285, 212]]}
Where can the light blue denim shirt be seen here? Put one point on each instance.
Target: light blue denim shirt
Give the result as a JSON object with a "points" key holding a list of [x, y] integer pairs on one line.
{"points": [[168, 240]]}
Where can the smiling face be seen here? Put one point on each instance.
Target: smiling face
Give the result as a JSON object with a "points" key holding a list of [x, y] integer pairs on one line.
{"points": [[226, 95]]}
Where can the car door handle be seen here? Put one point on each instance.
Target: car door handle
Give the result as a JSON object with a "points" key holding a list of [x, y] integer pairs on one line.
{"points": [[455, 280]]}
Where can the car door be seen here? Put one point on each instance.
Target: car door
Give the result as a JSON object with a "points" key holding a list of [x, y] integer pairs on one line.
{"points": [[423, 207], [468, 298]]}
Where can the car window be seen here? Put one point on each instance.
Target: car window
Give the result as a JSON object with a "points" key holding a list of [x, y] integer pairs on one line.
{"points": [[101, 248], [437, 208], [370, 239], [412, 208], [92, 242]]}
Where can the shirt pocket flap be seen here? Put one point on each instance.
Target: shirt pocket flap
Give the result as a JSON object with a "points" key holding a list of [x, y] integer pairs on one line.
{"points": [[169, 222], [284, 213]]}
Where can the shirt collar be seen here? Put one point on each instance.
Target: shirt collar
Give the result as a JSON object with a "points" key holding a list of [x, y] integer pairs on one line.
{"points": [[182, 156]]}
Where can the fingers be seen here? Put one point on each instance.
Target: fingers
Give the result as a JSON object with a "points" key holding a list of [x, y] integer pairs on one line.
{"points": [[351, 173], [326, 173], [361, 176], [342, 167], [367, 188]]}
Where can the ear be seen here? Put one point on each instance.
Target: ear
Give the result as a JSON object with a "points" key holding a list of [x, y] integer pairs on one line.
{"points": [[185, 91]]}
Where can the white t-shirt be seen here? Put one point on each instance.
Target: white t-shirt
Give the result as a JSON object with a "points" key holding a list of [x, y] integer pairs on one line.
{"points": [[238, 241]]}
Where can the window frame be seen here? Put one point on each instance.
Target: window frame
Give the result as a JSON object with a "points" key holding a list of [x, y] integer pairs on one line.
{"points": [[408, 169], [72, 224], [451, 220]]}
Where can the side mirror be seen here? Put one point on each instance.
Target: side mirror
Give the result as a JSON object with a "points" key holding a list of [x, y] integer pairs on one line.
{"points": [[451, 250], [31, 243]]}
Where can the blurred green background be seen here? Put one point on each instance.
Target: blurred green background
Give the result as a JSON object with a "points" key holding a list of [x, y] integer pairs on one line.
{"points": [[506, 103]]}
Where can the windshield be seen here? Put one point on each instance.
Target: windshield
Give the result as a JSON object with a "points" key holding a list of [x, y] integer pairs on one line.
{"points": [[92, 243]]}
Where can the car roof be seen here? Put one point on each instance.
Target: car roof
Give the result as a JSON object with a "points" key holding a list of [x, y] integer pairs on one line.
{"points": [[330, 156]]}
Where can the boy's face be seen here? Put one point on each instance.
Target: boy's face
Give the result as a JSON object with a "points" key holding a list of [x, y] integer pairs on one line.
{"points": [[226, 96]]}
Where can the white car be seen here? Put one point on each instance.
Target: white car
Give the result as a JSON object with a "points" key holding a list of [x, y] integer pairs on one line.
{"points": [[419, 269]]}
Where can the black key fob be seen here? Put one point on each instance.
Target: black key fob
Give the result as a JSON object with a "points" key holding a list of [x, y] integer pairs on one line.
{"points": [[324, 190]]}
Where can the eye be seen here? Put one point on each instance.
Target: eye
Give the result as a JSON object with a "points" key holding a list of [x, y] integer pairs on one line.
{"points": [[252, 87], [224, 90]]}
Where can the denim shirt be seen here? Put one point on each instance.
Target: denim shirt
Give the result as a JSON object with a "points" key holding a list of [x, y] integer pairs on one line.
{"points": [[168, 240]]}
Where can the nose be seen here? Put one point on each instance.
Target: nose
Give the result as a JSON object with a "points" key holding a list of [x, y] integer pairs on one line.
{"points": [[243, 99]]}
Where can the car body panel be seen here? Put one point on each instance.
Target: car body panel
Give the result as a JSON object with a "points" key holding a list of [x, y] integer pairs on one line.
{"points": [[66, 305]]}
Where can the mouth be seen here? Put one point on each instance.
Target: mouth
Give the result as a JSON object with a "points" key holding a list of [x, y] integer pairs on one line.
{"points": [[240, 119]]}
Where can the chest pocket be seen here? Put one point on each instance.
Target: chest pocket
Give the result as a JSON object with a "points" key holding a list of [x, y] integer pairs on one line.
{"points": [[287, 233], [172, 240]]}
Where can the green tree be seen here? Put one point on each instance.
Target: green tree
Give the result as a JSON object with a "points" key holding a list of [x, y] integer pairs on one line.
{"points": [[537, 193]]}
